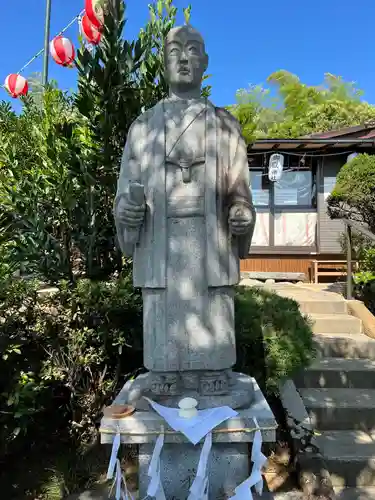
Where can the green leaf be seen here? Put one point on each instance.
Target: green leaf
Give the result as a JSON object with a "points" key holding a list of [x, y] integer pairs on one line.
{"points": [[187, 14], [159, 7]]}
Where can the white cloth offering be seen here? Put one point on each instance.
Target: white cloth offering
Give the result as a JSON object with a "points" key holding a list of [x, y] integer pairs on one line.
{"points": [[195, 428]]}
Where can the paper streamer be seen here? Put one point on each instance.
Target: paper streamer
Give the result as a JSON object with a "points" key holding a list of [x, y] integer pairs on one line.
{"points": [[243, 491], [155, 487], [114, 452], [120, 486], [199, 488], [257, 457], [118, 480], [114, 468], [126, 495]]}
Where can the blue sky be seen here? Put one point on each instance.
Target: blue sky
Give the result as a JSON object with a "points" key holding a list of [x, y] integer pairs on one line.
{"points": [[246, 40]]}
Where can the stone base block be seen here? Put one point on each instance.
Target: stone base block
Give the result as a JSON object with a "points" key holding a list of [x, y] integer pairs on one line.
{"points": [[229, 466], [144, 426], [229, 460]]}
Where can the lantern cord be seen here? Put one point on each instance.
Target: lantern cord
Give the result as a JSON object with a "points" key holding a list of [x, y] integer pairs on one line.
{"points": [[58, 34]]}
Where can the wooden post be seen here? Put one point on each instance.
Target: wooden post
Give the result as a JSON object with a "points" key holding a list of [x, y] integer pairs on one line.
{"points": [[316, 267], [349, 266]]}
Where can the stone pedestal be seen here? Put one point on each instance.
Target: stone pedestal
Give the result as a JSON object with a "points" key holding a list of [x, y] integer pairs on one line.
{"points": [[240, 394], [230, 455]]}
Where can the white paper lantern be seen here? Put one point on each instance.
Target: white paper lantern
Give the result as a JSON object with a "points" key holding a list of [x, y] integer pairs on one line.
{"points": [[275, 167]]}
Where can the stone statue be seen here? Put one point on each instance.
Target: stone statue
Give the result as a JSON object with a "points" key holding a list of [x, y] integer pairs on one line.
{"points": [[184, 212]]}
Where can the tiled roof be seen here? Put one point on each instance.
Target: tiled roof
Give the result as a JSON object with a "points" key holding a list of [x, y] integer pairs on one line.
{"points": [[366, 131], [357, 138]]}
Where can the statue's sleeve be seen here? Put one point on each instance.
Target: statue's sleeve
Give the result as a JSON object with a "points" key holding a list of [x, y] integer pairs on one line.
{"points": [[130, 166], [130, 171], [239, 185]]}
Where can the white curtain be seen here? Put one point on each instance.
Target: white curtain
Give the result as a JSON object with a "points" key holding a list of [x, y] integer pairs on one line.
{"points": [[295, 229], [261, 237]]}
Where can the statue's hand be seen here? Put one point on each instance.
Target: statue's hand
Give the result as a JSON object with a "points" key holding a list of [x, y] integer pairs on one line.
{"points": [[240, 219], [130, 214]]}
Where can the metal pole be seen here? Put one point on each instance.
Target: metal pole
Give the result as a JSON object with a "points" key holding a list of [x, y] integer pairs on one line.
{"points": [[349, 262], [47, 26]]}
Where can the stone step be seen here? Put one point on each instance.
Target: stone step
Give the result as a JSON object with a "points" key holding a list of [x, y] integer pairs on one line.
{"points": [[336, 323], [339, 373], [308, 306], [340, 409], [349, 457], [313, 302], [355, 493], [345, 345]]}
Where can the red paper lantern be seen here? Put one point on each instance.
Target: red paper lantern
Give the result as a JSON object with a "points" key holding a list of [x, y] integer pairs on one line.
{"points": [[62, 51], [16, 85], [94, 11], [89, 31]]}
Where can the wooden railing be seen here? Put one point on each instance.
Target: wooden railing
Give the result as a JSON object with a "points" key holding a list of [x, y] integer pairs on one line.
{"points": [[351, 225]]}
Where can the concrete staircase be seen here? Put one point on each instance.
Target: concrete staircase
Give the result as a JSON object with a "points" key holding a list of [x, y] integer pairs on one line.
{"points": [[338, 391]]}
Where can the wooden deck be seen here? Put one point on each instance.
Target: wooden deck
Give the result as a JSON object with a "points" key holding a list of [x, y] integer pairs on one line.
{"points": [[285, 264]]}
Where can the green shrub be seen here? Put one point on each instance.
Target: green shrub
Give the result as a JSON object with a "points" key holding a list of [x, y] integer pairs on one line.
{"points": [[6, 265], [354, 195], [360, 245], [367, 262], [364, 288], [364, 279], [274, 340], [65, 354], [21, 358], [363, 250]]}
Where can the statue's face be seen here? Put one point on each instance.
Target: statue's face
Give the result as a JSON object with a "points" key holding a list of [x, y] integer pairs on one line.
{"points": [[185, 59]]}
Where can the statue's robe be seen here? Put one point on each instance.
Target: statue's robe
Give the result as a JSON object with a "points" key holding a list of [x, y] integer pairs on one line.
{"points": [[186, 261]]}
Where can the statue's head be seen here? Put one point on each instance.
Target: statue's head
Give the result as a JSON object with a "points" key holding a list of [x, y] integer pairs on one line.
{"points": [[185, 59]]}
